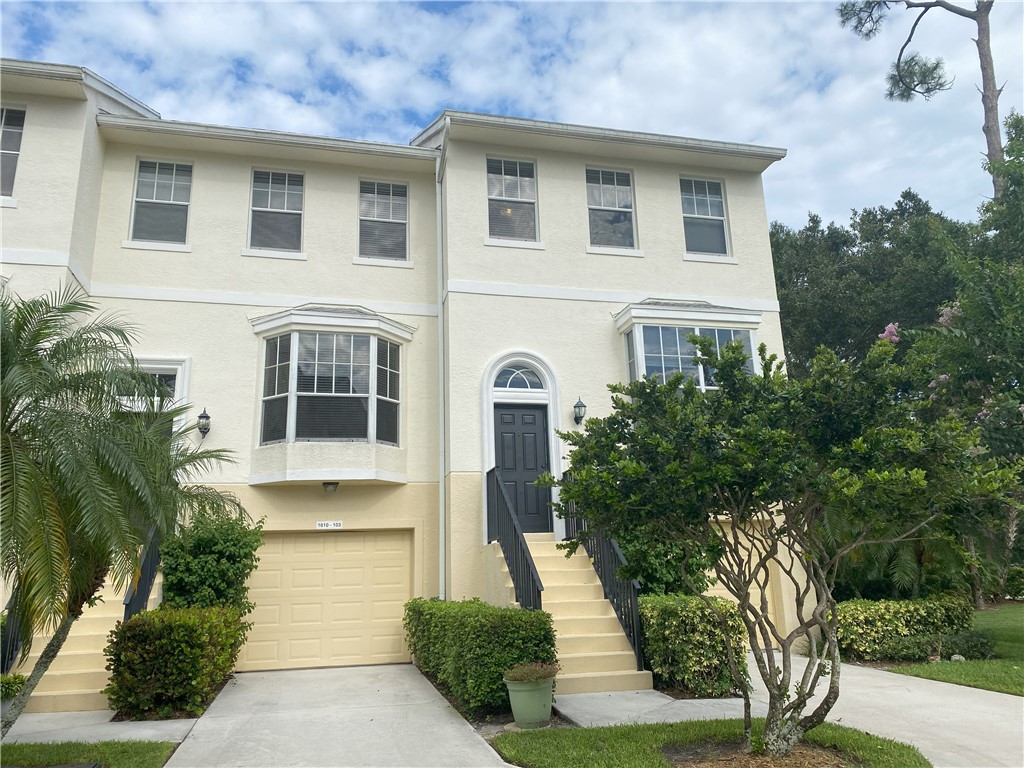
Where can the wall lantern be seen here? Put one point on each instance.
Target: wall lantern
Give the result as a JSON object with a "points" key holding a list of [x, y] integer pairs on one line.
{"points": [[203, 423], [579, 411], [329, 487]]}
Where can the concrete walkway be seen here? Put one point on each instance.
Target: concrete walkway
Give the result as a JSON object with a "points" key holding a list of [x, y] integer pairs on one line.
{"points": [[953, 726]]}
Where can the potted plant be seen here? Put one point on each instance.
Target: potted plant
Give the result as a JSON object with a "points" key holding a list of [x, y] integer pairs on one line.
{"points": [[530, 688]]}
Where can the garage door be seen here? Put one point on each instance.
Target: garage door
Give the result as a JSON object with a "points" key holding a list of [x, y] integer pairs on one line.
{"points": [[329, 599]]}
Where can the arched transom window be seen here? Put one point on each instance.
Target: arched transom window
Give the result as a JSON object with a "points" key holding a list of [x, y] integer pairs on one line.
{"points": [[518, 377]]}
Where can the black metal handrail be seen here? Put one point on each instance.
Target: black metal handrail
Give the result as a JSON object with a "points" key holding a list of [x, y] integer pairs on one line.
{"points": [[607, 557], [10, 642], [503, 527], [137, 597]]}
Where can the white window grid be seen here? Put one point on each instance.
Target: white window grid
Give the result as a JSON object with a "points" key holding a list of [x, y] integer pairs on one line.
{"points": [[655, 349], [511, 180], [163, 182], [12, 129], [703, 199], [277, 191], [609, 190], [383, 201]]}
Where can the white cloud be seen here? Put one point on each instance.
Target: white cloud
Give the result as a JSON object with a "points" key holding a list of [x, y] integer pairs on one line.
{"points": [[782, 74]]}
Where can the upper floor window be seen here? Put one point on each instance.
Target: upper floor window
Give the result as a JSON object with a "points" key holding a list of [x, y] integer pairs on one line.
{"points": [[276, 211], [663, 350], [610, 203], [383, 217], [511, 200], [12, 125], [162, 194], [703, 217], [321, 386]]}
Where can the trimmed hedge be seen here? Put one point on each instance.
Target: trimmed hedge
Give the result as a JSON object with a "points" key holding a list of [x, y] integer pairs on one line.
{"points": [[971, 645], [867, 626], [684, 644], [172, 661], [464, 647]]}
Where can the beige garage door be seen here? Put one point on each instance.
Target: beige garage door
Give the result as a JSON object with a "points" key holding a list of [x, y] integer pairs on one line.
{"points": [[329, 599]]}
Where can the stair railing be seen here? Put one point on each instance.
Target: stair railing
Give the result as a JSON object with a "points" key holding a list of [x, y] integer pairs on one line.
{"points": [[503, 526], [136, 598], [607, 557]]}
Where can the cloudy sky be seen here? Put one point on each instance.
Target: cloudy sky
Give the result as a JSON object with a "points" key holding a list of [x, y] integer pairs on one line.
{"points": [[779, 74]]}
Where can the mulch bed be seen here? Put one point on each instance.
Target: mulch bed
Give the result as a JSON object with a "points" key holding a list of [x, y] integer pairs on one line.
{"points": [[734, 755]]}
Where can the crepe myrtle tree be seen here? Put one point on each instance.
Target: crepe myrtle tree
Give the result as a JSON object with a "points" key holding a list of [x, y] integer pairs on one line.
{"points": [[776, 481]]}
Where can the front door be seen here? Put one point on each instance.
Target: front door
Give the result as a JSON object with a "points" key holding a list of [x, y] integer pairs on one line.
{"points": [[521, 454]]}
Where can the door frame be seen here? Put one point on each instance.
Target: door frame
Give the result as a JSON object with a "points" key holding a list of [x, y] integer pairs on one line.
{"points": [[549, 396]]}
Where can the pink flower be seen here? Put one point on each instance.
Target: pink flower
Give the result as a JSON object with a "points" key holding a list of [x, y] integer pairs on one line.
{"points": [[950, 313], [891, 333], [944, 378]]}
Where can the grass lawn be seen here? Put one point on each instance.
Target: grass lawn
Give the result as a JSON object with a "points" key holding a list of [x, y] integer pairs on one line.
{"points": [[1004, 674], [109, 754], [639, 746]]}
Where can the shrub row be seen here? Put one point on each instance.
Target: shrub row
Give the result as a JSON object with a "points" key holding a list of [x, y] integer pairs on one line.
{"points": [[970, 645], [172, 661], [685, 646], [866, 626], [465, 647]]}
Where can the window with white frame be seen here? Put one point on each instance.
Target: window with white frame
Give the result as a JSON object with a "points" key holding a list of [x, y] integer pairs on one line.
{"points": [[511, 200], [12, 125], [162, 195], [326, 386], [703, 217], [610, 204], [276, 211], [662, 350], [383, 218]]}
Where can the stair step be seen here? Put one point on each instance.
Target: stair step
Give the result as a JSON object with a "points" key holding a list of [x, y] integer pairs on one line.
{"points": [[610, 661], [570, 577], [563, 592], [68, 701], [56, 681], [69, 661], [572, 608], [595, 682], [586, 625], [592, 643]]}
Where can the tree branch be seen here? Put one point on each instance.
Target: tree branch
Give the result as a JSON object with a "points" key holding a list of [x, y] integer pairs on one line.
{"points": [[944, 4]]}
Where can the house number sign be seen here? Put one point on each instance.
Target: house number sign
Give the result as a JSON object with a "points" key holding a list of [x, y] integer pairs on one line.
{"points": [[328, 525]]}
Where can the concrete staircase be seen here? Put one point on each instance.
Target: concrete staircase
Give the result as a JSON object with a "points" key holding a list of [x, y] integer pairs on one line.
{"points": [[78, 674], [593, 651]]}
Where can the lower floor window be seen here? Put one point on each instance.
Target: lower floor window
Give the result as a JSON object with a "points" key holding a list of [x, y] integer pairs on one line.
{"points": [[662, 350], [322, 386]]}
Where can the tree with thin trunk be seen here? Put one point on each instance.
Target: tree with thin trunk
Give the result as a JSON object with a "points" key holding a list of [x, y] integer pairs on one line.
{"points": [[91, 462], [914, 75], [776, 481]]}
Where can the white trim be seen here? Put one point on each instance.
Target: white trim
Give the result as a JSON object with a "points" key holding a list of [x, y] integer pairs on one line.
{"points": [[604, 250], [332, 475], [8, 202], [152, 245], [489, 396], [292, 319], [35, 258], [241, 298], [663, 314], [396, 263], [181, 367], [521, 291], [498, 242], [709, 258], [264, 253]]}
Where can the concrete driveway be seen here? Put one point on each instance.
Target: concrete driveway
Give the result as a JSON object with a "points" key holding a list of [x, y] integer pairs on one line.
{"points": [[387, 716]]}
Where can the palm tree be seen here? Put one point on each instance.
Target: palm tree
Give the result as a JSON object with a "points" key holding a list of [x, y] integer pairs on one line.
{"points": [[90, 464]]}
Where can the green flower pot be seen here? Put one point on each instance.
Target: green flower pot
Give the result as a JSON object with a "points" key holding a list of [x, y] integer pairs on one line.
{"points": [[531, 702]]}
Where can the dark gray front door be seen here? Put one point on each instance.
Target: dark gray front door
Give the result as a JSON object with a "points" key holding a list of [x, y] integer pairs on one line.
{"points": [[521, 454]]}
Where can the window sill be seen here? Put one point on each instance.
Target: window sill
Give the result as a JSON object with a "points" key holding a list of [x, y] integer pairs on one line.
{"points": [[8, 202], [532, 245], [147, 245], [262, 253], [399, 263], [334, 461], [601, 250], [709, 258]]}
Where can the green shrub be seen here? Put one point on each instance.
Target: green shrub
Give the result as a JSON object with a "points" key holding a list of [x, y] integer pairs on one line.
{"points": [[866, 626], [910, 648], [976, 644], [208, 561], [465, 647], [685, 646], [1015, 582], [11, 685], [172, 661], [970, 645]]}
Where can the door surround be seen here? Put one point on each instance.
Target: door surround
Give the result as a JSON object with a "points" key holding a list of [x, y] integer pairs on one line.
{"points": [[548, 395]]}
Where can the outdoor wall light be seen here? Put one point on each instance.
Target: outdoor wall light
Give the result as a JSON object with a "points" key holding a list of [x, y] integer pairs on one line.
{"points": [[579, 411], [329, 487], [203, 423]]}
